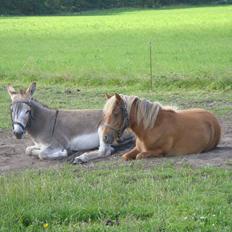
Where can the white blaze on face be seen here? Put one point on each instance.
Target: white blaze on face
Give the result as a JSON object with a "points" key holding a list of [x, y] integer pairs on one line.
{"points": [[109, 105], [103, 147], [20, 119]]}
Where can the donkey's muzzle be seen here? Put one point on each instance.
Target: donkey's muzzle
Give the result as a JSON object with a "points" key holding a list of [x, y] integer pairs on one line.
{"points": [[18, 129], [18, 135]]}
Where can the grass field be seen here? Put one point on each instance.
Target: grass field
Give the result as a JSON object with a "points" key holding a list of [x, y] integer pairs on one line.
{"points": [[191, 47], [108, 51], [119, 198]]}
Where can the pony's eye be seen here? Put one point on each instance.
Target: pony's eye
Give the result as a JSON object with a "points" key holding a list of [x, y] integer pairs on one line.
{"points": [[28, 111]]}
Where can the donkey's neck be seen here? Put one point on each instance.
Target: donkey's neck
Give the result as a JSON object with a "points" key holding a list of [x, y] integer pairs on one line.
{"points": [[41, 119]]}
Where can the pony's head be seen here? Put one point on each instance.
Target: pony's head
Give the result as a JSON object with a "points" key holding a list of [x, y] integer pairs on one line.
{"points": [[21, 109], [115, 119]]}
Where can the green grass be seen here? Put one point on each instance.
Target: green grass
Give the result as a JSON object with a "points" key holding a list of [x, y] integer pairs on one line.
{"points": [[164, 198], [108, 51], [191, 48]]}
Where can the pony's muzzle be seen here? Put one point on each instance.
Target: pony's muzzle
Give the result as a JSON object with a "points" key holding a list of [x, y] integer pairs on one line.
{"points": [[108, 139]]}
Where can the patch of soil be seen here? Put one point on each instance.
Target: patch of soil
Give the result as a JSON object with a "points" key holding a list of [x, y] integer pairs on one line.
{"points": [[12, 154], [13, 157]]}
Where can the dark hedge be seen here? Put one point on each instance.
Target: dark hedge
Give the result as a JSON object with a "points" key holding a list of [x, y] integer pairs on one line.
{"points": [[46, 7]]}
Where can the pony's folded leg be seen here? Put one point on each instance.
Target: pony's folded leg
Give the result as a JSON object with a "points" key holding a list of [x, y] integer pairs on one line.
{"points": [[149, 154], [130, 155]]}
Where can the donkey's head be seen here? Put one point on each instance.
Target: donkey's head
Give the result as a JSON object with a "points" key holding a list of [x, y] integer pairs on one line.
{"points": [[115, 119], [21, 109]]}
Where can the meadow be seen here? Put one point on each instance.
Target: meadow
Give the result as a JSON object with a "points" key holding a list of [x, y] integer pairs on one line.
{"points": [[120, 198], [108, 51], [76, 60], [191, 47]]}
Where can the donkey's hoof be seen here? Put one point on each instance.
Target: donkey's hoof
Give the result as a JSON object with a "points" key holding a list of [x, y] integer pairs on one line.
{"points": [[28, 151], [41, 157], [78, 160]]}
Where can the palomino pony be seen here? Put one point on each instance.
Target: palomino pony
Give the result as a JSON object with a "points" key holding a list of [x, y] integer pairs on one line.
{"points": [[56, 133], [160, 131]]}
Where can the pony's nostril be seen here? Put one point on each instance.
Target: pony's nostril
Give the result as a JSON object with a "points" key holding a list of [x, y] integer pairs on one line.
{"points": [[105, 138]]}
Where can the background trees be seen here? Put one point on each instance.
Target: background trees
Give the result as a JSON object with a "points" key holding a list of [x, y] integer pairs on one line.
{"points": [[40, 7]]}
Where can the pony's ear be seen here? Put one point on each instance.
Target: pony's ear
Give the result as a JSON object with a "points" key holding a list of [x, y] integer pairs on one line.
{"points": [[118, 97], [30, 91], [108, 96], [11, 90]]}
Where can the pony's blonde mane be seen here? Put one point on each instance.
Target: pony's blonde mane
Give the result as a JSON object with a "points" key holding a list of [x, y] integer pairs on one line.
{"points": [[147, 111]]}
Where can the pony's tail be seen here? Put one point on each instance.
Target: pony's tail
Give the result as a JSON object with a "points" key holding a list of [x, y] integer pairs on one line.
{"points": [[217, 133], [215, 137]]}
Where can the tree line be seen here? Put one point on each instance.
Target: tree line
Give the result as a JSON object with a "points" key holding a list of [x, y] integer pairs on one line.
{"points": [[46, 7]]}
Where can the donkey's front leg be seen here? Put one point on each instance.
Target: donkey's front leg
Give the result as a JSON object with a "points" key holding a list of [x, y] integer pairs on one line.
{"points": [[53, 153], [30, 150], [104, 150], [92, 155], [50, 153]]}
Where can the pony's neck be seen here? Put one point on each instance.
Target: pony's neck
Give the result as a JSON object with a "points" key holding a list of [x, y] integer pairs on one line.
{"points": [[133, 122], [41, 118], [143, 115], [128, 101]]}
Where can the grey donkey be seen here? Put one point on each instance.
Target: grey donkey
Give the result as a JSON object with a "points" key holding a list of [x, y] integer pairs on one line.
{"points": [[57, 133]]}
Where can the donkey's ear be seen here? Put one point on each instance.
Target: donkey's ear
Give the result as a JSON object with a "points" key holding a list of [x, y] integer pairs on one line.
{"points": [[11, 90], [30, 91], [118, 97], [108, 96]]}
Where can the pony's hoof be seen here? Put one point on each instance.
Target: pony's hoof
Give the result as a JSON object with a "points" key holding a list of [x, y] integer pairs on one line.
{"points": [[139, 157], [126, 157]]}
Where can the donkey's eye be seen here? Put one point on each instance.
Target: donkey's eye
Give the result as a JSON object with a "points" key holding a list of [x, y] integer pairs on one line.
{"points": [[28, 111]]}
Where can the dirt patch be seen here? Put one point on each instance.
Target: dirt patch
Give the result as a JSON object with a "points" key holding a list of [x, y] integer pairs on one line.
{"points": [[12, 154]]}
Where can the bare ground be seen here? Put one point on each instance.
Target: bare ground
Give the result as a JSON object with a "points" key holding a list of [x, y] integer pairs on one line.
{"points": [[12, 154]]}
